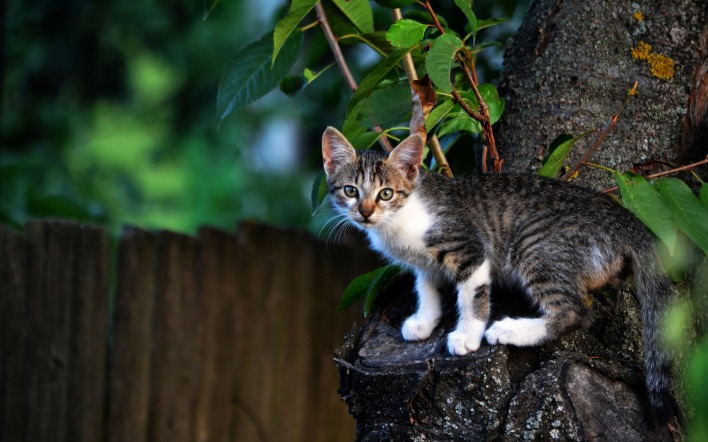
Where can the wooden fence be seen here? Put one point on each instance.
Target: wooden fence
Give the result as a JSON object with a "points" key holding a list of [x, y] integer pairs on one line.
{"points": [[165, 337]]}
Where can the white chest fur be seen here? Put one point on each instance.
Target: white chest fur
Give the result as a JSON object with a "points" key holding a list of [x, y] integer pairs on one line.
{"points": [[401, 235]]}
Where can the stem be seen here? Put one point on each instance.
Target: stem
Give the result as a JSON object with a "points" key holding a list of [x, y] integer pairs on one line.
{"points": [[342, 63], [598, 140], [434, 143], [483, 115], [666, 172], [334, 46]]}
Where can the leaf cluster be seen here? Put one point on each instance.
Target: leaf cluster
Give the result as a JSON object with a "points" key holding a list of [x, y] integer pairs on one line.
{"points": [[382, 101]]}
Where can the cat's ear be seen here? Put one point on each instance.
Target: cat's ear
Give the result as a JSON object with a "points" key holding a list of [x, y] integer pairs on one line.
{"points": [[408, 155], [336, 150]]}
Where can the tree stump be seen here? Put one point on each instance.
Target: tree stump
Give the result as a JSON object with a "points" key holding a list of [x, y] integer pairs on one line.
{"points": [[588, 385]]}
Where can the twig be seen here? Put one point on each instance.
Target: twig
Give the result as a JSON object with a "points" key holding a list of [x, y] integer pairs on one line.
{"points": [[483, 115], [666, 172], [486, 120], [342, 63], [600, 136], [434, 143]]}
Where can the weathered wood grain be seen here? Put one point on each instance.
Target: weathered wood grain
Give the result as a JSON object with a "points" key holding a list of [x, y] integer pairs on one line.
{"points": [[129, 369]]}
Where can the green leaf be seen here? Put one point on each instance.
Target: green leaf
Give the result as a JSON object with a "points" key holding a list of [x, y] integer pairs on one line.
{"points": [[490, 95], [488, 44], [406, 33], [394, 3], [319, 191], [691, 214], [292, 85], [704, 194], [387, 106], [489, 22], [461, 122], [438, 63], [377, 74], [368, 286], [438, 113], [375, 40], [379, 284], [466, 8], [647, 204], [355, 132], [557, 152], [250, 74], [285, 26], [359, 13]]}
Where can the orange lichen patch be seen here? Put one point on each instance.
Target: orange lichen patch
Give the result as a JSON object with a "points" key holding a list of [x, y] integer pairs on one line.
{"points": [[639, 16], [642, 51], [661, 66]]}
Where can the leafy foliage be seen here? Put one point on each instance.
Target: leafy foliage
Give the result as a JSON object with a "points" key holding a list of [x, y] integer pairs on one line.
{"points": [[368, 286], [253, 73]]}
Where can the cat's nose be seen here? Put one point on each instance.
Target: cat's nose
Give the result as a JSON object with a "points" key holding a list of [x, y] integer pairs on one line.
{"points": [[366, 212]]}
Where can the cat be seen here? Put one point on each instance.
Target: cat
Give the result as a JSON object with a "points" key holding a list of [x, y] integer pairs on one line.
{"points": [[556, 240]]}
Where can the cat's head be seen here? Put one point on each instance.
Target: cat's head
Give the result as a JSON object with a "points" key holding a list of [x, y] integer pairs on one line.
{"points": [[368, 186]]}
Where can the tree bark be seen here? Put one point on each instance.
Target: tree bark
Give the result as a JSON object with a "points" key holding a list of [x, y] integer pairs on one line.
{"points": [[570, 67], [568, 70]]}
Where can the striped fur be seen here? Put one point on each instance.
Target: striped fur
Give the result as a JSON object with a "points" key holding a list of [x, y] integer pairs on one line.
{"points": [[556, 240]]}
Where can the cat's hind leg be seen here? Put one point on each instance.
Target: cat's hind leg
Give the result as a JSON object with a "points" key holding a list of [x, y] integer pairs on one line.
{"points": [[563, 308], [473, 307], [420, 325]]}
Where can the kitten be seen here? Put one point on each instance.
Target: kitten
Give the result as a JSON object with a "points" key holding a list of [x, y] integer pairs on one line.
{"points": [[556, 240]]}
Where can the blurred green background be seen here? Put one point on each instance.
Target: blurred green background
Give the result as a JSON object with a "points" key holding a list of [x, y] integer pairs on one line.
{"points": [[108, 114]]}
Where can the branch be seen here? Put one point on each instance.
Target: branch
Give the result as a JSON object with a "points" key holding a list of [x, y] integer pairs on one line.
{"points": [[342, 63], [434, 143], [666, 172], [600, 136], [483, 115]]}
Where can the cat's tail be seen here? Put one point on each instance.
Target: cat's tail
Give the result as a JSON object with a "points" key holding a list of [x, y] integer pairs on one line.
{"points": [[654, 290]]}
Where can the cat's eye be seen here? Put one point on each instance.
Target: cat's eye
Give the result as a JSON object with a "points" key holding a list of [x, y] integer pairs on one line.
{"points": [[351, 191], [386, 194]]}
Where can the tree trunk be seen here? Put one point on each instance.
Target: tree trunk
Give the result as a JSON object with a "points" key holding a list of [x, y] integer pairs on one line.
{"points": [[570, 68], [568, 71]]}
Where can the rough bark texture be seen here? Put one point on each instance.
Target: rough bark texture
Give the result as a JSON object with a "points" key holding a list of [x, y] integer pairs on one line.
{"points": [[570, 67], [568, 70], [588, 385]]}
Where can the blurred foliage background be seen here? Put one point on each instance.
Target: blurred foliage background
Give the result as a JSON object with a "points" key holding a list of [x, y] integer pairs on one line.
{"points": [[108, 113]]}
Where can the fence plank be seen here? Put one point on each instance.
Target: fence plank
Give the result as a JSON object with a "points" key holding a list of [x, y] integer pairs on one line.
{"points": [[177, 337], [89, 326], [286, 381], [218, 290], [336, 269], [52, 255], [129, 384], [13, 334], [221, 338]]}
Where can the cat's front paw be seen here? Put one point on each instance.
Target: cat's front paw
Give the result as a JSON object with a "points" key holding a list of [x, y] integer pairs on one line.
{"points": [[417, 329], [520, 332], [465, 338]]}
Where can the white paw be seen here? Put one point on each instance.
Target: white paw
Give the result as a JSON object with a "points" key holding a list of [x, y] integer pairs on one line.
{"points": [[520, 332], [417, 329], [461, 343]]}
